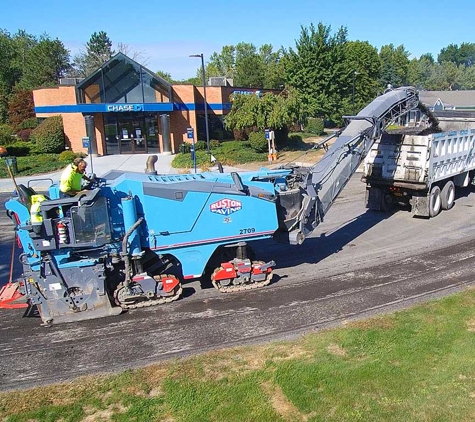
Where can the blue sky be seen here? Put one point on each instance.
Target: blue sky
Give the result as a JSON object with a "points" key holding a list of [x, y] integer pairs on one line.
{"points": [[168, 32]]}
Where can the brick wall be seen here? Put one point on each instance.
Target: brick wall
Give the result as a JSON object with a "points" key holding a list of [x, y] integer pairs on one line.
{"points": [[75, 128]]}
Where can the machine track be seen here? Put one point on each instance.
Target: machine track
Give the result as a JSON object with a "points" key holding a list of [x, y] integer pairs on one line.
{"points": [[145, 303], [242, 287]]}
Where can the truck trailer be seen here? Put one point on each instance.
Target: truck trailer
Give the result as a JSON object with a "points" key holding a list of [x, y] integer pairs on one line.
{"points": [[419, 171]]}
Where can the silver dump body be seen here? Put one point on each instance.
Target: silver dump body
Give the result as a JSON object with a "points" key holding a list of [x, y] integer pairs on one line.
{"points": [[419, 161]]}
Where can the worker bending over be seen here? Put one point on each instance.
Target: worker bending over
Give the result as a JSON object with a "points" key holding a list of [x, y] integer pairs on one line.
{"points": [[72, 176]]}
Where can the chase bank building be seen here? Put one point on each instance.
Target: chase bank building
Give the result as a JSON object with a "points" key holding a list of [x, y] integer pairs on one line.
{"points": [[125, 108]]}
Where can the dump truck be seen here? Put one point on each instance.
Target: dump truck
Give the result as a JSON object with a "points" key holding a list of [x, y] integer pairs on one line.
{"points": [[132, 239], [419, 171]]}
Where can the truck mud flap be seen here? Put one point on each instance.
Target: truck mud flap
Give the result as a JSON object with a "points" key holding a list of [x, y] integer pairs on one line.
{"points": [[420, 206]]}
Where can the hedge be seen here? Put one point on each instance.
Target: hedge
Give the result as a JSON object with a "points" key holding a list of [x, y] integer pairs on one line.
{"points": [[49, 135]]}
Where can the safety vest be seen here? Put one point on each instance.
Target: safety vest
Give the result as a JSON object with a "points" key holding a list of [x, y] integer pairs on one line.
{"points": [[35, 212]]}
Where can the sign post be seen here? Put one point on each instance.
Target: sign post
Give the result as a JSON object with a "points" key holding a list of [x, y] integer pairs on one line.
{"points": [[190, 135], [269, 146], [86, 143]]}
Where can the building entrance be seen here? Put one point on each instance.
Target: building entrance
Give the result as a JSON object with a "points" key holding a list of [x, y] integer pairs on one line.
{"points": [[131, 133]]}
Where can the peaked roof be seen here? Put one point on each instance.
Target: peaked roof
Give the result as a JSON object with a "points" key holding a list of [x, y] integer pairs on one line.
{"points": [[122, 57]]}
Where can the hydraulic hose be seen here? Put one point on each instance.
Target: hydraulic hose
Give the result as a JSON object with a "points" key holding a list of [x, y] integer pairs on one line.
{"points": [[124, 254]]}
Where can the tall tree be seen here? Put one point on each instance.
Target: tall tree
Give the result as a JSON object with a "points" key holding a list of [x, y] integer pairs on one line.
{"points": [[273, 67], [7, 72], [419, 71], [463, 55], [316, 68], [223, 64], [98, 51], [46, 63], [395, 64], [363, 70], [445, 77], [249, 67]]}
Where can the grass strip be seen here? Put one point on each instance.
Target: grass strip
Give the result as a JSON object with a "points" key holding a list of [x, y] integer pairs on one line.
{"points": [[413, 365]]}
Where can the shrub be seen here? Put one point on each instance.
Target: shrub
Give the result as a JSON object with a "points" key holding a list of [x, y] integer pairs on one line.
{"points": [[258, 141], [201, 146], [25, 134], [49, 135], [185, 148], [30, 123], [315, 125], [214, 143], [20, 149], [6, 133], [67, 157]]}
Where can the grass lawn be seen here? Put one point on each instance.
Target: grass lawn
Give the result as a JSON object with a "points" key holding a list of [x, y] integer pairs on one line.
{"points": [[413, 365], [33, 164]]}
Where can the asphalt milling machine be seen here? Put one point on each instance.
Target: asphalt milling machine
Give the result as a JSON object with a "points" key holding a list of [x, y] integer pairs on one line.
{"points": [[131, 239]]}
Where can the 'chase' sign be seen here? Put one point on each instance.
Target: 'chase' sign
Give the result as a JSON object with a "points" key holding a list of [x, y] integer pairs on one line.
{"points": [[119, 108]]}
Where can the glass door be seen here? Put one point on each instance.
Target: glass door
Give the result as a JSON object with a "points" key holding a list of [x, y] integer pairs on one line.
{"points": [[125, 136], [112, 134], [151, 127], [139, 145]]}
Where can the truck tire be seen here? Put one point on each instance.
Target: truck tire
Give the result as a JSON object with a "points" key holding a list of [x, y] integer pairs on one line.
{"points": [[447, 195], [386, 202], [435, 203]]}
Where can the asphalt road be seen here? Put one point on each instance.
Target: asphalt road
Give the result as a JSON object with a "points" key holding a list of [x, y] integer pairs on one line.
{"points": [[357, 263]]}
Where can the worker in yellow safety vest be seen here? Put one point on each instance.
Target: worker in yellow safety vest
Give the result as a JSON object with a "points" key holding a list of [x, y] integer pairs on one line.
{"points": [[72, 176], [35, 211]]}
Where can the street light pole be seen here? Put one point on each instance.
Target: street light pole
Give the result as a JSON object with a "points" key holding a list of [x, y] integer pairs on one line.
{"points": [[204, 97]]}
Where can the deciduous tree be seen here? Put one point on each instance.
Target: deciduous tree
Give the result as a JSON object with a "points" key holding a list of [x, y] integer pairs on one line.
{"points": [[394, 65]]}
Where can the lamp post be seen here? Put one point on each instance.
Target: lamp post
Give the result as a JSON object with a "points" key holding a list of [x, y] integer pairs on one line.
{"points": [[353, 93], [204, 96]]}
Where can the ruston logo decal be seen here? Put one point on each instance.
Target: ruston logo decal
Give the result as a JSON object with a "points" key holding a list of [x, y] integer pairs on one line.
{"points": [[225, 206]]}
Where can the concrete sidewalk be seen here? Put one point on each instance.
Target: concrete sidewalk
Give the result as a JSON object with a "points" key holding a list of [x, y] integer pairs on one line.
{"points": [[100, 166]]}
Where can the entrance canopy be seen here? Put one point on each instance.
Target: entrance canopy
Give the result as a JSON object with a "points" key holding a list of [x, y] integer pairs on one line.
{"points": [[122, 80]]}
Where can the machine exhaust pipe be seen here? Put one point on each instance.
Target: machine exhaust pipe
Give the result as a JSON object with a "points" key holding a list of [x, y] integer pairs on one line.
{"points": [[150, 166]]}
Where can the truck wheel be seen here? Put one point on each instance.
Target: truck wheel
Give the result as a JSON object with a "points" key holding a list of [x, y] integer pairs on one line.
{"points": [[447, 195], [386, 202], [435, 203]]}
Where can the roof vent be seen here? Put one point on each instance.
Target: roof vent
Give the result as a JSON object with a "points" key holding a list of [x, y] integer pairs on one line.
{"points": [[70, 81], [218, 81]]}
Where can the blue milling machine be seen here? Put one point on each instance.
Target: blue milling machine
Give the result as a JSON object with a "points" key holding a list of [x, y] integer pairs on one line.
{"points": [[131, 239]]}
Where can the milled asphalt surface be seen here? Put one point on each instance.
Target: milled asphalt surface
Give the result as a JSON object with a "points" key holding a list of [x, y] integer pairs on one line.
{"points": [[100, 166]]}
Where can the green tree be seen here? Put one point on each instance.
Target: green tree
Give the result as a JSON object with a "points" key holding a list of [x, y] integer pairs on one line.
{"points": [[98, 51], [420, 70], [45, 64], [222, 64], [7, 72], [394, 65], [273, 67], [466, 79], [250, 67], [445, 77], [318, 69], [463, 55], [251, 112], [363, 69], [165, 75]]}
